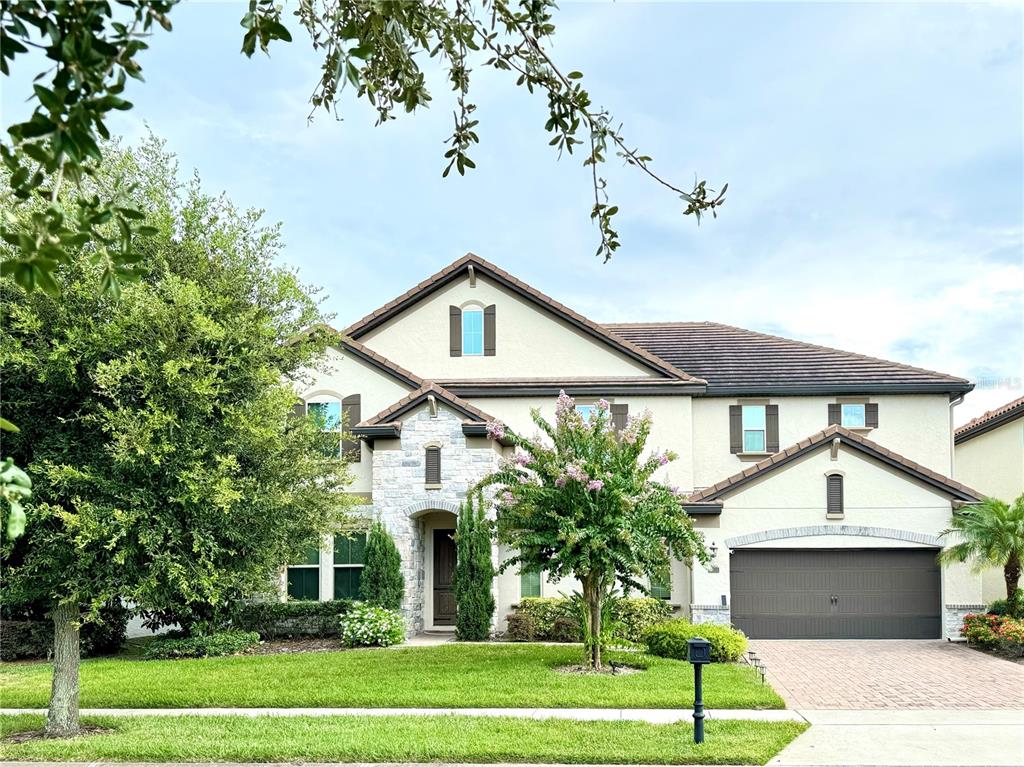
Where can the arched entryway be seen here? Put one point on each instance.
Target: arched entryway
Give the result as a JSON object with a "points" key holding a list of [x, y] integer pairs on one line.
{"points": [[436, 528]]}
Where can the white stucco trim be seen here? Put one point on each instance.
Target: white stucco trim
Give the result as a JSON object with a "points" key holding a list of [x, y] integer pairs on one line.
{"points": [[862, 531]]}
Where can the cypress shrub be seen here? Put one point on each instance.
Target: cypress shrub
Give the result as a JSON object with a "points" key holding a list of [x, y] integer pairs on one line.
{"points": [[382, 583], [474, 572]]}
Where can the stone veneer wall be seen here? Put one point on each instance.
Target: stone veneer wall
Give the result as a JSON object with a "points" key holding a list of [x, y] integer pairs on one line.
{"points": [[720, 614], [953, 617], [399, 490]]}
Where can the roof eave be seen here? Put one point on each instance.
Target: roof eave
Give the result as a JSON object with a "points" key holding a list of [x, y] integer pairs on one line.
{"points": [[952, 388]]}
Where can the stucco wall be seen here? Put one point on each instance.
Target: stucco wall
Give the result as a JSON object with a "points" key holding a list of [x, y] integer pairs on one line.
{"points": [[340, 375], [877, 498], [915, 426], [993, 463], [529, 342]]}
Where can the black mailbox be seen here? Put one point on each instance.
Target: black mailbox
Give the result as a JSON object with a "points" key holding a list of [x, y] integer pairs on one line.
{"points": [[699, 650]]}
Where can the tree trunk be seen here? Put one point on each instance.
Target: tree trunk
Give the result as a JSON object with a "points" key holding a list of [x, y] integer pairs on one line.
{"points": [[1011, 574], [62, 719], [592, 596]]}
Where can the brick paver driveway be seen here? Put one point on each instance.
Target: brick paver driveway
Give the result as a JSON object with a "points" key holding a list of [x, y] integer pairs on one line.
{"points": [[862, 674]]}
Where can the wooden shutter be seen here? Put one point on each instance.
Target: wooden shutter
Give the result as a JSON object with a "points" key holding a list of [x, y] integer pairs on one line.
{"points": [[620, 414], [771, 420], [871, 415], [299, 409], [489, 331], [433, 466], [735, 429], [835, 413], [455, 331], [351, 414], [834, 495]]}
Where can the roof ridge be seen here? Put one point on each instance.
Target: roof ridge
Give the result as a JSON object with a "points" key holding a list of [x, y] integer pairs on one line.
{"points": [[820, 439], [988, 415], [556, 307]]}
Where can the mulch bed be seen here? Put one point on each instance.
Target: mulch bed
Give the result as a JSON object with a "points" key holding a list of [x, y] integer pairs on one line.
{"points": [[29, 735], [997, 653], [289, 646]]}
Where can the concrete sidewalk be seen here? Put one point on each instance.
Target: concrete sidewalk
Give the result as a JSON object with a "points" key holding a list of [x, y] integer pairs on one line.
{"points": [[909, 738], [652, 715]]}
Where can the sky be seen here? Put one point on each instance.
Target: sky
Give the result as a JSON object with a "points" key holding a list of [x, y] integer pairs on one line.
{"points": [[874, 154]]}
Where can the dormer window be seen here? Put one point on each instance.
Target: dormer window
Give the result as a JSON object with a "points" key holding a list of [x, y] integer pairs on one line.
{"points": [[472, 332]]}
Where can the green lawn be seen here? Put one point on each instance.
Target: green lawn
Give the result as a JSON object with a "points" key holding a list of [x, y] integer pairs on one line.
{"points": [[451, 675], [403, 739]]}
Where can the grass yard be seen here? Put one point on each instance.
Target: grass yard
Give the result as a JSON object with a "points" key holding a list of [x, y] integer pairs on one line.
{"points": [[402, 739], [445, 676]]}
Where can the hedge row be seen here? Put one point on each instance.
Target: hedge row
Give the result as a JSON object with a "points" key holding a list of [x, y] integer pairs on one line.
{"points": [[669, 640], [553, 619], [22, 637], [200, 645], [288, 620]]}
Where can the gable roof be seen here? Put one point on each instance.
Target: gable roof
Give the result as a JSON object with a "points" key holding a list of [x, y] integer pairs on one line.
{"points": [[388, 422], [989, 420], [735, 361], [462, 266], [822, 440], [366, 354]]}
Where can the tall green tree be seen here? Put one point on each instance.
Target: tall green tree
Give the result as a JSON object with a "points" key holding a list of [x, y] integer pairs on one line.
{"points": [[375, 49], [474, 571], [382, 583], [991, 534], [581, 500], [167, 469]]}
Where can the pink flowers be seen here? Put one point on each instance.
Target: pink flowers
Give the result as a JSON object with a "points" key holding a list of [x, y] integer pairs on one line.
{"points": [[507, 498], [560, 481], [520, 458], [595, 484], [663, 459], [575, 471], [496, 430], [564, 404]]}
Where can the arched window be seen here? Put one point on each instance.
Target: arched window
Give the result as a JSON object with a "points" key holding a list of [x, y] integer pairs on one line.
{"points": [[472, 331]]}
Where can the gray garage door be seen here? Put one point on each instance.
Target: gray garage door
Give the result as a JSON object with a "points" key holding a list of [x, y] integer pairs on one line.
{"points": [[836, 593]]}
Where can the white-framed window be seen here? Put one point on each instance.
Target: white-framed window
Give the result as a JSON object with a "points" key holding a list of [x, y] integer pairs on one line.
{"points": [[472, 331], [585, 411], [754, 429], [852, 415]]}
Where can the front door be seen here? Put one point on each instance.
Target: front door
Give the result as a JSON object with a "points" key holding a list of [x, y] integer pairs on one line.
{"points": [[444, 575]]}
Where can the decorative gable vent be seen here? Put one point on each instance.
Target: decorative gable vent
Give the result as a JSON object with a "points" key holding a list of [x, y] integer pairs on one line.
{"points": [[433, 466], [834, 496]]}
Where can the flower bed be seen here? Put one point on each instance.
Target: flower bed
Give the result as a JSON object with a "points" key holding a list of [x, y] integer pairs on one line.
{"points": [[998, 632]]}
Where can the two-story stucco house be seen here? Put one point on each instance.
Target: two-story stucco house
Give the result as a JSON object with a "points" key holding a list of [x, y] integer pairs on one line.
{"points": [[820, 478], [989, 456]]}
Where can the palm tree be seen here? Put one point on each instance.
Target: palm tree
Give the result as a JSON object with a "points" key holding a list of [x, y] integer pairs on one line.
{"points": [[991, 534]]}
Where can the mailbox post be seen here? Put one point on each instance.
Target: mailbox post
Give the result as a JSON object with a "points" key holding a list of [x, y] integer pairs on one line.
{"points": [[698, 653]]}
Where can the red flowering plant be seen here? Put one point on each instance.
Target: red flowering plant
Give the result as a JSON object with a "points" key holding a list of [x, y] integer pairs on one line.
{"points": [[580, 500], [995, 631]]}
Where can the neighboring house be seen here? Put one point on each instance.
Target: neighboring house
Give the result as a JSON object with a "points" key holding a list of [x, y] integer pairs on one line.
{"points": [[989, 456], [820, 478]]}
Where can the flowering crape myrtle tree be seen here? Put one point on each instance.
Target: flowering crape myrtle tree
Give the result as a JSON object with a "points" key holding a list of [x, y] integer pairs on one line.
{"points": [[580, 500]]}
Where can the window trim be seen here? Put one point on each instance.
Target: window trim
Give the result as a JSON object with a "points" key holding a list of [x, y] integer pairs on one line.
{"points": [[863, 415], [466, 310], [335, 565], [763, 430]]}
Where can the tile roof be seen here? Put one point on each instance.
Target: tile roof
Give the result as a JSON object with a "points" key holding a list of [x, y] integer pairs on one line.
{"points": [[738, 361], [393, 413], [456, 268], [823, 439], [989, 420], [367, 354]]}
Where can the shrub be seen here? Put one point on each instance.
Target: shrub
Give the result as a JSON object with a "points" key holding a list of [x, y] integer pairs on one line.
{"points": [[521, 627], [1014, 608], [277, 620], [381, 582], [555, 619], [995, 631], [474, 572], [201, 645], [26, 634], [371, 626], [668, 640]]}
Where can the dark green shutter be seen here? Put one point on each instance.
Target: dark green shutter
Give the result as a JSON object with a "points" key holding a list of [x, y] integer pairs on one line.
{"points": [[835, 413], [455, 331], [489, 331], [299, 409], [771, 422], [871, 415], [351, 414], [735, 429]]}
